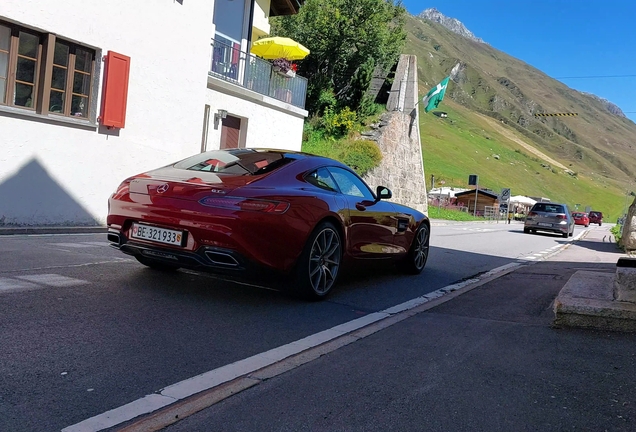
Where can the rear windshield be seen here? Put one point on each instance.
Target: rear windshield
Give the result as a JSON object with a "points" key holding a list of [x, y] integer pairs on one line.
{"points": [[548, 208], [236, 161], [596, 214]]}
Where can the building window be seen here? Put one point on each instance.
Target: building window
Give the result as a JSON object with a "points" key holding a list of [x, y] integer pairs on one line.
{"points": [[5, 42], [44, 73], [70, 80], [229, 18]]}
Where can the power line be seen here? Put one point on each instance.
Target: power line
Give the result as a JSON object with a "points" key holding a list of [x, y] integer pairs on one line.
{"points": [[556, 114], [596, 76]]}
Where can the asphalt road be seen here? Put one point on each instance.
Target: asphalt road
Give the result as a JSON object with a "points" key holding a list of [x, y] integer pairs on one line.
{"points": [[85, 329], [487, 360]]}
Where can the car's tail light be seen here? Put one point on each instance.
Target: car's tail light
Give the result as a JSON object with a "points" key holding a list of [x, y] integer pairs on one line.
{"points": [[561, 216], [246, 204], [122, 189], [532, 214]]}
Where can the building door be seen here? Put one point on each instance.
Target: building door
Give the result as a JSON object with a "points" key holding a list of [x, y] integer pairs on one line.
{"points": [[230, 132]]}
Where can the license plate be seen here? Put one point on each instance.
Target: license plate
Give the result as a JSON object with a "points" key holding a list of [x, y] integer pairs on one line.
{"points": [[156, 234], [544, 224]]}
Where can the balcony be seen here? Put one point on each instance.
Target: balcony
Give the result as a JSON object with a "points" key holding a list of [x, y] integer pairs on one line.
{"points": [[231, 64]]}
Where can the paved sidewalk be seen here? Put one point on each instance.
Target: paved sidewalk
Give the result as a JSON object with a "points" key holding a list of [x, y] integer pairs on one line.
{"points": [[487, 360]]}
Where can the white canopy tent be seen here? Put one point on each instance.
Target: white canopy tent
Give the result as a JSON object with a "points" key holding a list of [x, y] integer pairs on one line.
{"points": [[444, 192], [523, 200]]}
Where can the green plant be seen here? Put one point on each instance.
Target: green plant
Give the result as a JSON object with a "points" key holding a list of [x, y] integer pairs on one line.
{"points": [[616, 230], [369, 109], [347, 40], [326, 100], [339, 123], [361, 155]]}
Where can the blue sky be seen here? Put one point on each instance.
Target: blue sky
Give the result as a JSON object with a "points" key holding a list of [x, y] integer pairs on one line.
{"points": [[563, 38]]}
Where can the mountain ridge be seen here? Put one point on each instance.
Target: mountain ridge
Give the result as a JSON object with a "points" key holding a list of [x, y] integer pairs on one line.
{"points": [[453, 24], [596, 145], [456, 26]]}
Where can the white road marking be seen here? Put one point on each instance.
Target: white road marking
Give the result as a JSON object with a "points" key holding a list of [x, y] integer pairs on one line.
{"points": [[53, 280], [205, 381], [97, 243], [71, 245], [7, 284], [111, 261], [81, 245], [475, 229]]}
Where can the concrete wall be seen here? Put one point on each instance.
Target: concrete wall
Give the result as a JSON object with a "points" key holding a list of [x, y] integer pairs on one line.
{"points": [[258, 115], [260, 24], [56, 172], [398, 136]]}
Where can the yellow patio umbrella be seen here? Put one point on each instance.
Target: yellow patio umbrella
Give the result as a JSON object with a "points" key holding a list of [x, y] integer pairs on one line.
{"points": [[279, 47]]}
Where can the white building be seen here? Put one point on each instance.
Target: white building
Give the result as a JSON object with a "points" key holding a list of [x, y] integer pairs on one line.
{"points": [[92, 92]]}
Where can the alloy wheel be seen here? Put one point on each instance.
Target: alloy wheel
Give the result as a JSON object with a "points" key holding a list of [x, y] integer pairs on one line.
{"points": [[420, 251], [324, 261]]}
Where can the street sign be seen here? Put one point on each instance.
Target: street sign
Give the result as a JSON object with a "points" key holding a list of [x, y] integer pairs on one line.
{"points": [[505, 195], [473, 180]]}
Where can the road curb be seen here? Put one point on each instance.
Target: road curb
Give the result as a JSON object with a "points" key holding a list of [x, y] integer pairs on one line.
{"points": [[52, 230]]}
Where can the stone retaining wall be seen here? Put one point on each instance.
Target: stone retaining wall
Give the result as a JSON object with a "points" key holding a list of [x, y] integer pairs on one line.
{"points": [[398, 136], [628, 235]]}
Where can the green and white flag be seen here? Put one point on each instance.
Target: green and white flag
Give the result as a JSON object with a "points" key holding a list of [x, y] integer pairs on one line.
{"points": [[435, 96]]}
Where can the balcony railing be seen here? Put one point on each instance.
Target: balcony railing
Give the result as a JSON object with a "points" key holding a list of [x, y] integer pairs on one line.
{"points": [[231, 64]]}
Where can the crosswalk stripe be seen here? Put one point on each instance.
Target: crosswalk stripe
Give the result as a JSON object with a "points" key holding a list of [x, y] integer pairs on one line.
{"points": [[7, 284], [100, 243], [80, 245], [71, 245], [53, 280]]}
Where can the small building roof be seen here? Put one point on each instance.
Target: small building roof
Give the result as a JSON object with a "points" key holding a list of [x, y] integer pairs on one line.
{"points": [[479, 191]]}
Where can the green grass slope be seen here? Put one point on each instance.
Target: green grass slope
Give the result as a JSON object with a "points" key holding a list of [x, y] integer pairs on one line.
{"points": [[588, 160]]}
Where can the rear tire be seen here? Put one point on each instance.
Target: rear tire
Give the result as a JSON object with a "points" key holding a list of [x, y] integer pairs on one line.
{"points": [[157, 265], [318, 266], [416, 258], [565, 235]]}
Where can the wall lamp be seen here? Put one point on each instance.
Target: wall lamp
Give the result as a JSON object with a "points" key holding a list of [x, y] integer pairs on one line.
{"points": [[220, 114]]}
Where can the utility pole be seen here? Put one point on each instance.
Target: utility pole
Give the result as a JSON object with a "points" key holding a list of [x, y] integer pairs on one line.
{"points": [[476, 195], [473, 179]]}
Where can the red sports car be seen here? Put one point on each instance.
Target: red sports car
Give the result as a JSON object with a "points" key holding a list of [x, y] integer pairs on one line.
{"points": [[242, 210], [581, 218]]}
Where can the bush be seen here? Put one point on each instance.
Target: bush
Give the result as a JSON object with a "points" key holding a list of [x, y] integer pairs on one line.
{"points": [[370, 109], [617, 231], [327, 100], [361, 155], [339, 123]]}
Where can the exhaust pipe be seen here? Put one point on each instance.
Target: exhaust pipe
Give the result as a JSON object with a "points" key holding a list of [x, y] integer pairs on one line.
{"points": [[222, 258], [113, 238]]}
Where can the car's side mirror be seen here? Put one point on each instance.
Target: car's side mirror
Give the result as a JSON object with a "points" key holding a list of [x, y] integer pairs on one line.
{"points": [[383, 193]]}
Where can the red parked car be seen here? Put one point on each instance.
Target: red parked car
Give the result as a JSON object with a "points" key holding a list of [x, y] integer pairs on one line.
{"points": [[581, 218], [239, 210]]}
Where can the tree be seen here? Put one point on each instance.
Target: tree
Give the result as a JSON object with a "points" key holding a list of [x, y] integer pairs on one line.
{"points": [[348, 39]]}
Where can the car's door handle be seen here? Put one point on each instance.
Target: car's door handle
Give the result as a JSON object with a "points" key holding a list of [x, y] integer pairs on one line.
{"points": [[361, 206]]}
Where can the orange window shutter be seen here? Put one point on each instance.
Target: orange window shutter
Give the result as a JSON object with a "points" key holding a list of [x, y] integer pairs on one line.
{"points": [[115, 90]]}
